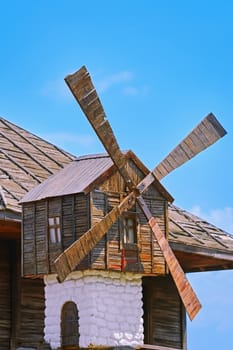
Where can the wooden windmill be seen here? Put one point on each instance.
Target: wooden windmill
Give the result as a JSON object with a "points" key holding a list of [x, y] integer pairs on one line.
{"points": [[205, 134]]}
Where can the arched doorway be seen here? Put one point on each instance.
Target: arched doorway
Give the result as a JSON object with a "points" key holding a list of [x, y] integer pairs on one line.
{"points": [[69, 324]]}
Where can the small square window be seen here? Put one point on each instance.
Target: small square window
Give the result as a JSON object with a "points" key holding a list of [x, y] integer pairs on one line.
{"points": [[54, 229]]}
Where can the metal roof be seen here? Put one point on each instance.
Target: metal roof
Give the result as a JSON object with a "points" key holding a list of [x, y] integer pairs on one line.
{"points": [[80, 175], [26, 160], [74, 178]]}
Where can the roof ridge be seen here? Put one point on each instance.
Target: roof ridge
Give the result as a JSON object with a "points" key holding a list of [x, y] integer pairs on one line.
{"points": [[97, 155]]}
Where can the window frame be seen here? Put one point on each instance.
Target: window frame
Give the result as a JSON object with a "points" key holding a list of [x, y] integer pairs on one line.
{"points": [[126, 241], [54, 229]]}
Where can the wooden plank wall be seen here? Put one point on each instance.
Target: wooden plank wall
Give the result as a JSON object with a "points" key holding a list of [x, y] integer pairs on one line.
{"points": [[21, 303], [98, 211], [82, 221], [107, 253], [158, 208], [31, 325], [164, 316], [68, 225], [40, 238], [150, 254], [5, 295], [35, 254], [38, 253], [28, 245], [151, 260], [114, 245]]}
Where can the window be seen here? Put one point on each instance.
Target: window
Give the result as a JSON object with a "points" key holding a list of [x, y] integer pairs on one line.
{"points": [[129, 223], [54, 229]]}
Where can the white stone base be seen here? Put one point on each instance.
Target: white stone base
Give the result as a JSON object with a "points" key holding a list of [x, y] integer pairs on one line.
{"points": [[109, 305]]}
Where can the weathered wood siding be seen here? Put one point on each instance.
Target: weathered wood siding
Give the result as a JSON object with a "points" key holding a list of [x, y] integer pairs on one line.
{"points": [[113, 238], [21, 303], [164, 316], [38, 252], [158, 208], [5, 299], [35, 253], [107, 253], [147, 257], [98, 210], [31, 315]]}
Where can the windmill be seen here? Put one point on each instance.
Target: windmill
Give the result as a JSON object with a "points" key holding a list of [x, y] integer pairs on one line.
{"points": [[208, 131]]}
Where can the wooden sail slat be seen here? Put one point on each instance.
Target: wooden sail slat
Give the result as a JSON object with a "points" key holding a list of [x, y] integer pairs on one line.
{"points": [[208, 131], [215, 126]]}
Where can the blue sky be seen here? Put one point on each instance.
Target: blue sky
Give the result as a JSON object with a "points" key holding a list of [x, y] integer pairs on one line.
{"points": [[159, 68]]}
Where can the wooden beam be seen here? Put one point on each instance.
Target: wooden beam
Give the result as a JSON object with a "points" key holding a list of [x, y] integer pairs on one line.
{"points": [[10, 229], [153, 347], [203, 251]]}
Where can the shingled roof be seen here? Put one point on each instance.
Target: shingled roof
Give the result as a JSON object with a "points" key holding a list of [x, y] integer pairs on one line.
{"points": [[26, 160], [200, 245]]}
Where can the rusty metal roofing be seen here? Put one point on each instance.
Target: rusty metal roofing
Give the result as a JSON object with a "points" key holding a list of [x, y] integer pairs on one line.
{"points": [[26, 160]]}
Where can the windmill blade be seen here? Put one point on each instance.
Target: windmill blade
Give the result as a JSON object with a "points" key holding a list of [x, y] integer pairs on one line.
{"points": [[84, 92], [207, 132]]}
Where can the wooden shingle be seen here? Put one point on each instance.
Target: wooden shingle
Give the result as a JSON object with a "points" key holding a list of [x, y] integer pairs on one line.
{"points": [[26, 160]]}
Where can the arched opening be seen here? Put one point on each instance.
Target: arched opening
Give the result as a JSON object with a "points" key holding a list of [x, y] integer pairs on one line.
{"points": [[69, 324]]}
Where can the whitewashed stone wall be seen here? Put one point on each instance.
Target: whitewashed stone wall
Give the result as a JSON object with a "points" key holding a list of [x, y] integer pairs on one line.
{"points": [[109, 305]]}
